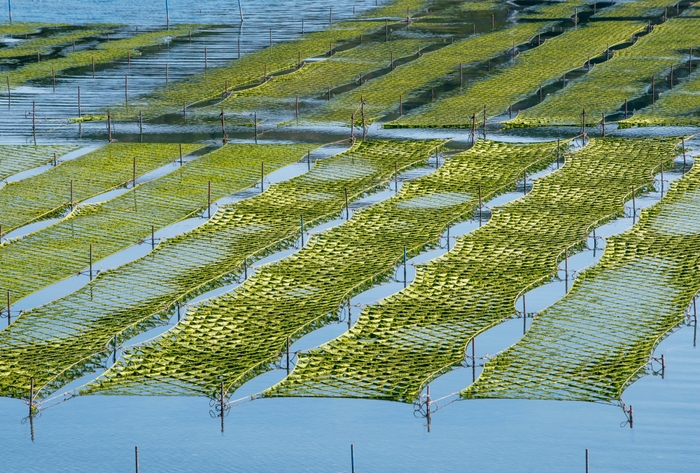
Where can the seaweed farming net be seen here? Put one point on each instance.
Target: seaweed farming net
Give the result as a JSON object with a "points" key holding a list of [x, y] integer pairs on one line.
{"points": [[99, 230], [18, 158], [406, 340], [58, 342], [51, 193], [529, 71], [626, 76], [599, 339], [223, 338]]}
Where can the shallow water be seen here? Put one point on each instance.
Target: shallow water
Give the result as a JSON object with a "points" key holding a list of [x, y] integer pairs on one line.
{"points": [[314, 435]]}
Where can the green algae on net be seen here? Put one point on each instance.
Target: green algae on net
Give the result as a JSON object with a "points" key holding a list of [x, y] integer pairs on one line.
{"points": [[598, 340], [305, 291], [406, 340], [61, 250], [530, 70], [18, 158], [104, 53], [627, 75], [60, 341], [59, 189]]}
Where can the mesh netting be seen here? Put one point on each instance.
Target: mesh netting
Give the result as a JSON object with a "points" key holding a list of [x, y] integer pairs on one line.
{"points": [[597, 340], [58, 342], [242, 334], [408, 339]]}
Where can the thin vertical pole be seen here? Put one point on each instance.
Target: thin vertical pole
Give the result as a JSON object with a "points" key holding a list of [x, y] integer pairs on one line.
{"points": [[31, 396], [140, 122], [71, 195], [587, 470], [167, 14], [287, 355], [90, 261], [352, 457], [480, 205], [34, 121], [396, 177], [625, 109], [405, 270], [126, 90], [461, 76], [209, 199], [302, 230], [347, 206], [473, 359], [662, 179], [683, 143], [634, 207], [603, 123], [524, 315], [9, 9], [180, 154], [153, 237], [437, 158], [167, 73], [308, 160], [255, 126], [80, 113], [240, 10], [566, 270], [262, 177], [652, 90], [133, 177], [9, 94], [558, 151], [524, 183], [9, 310], [53, 78], [206, 57]]}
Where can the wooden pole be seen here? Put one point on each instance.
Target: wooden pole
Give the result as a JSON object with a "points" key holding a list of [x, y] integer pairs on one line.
{"points": [[126, 90], [288, 350], [140, 122], [484, 121], [386, 30], [405, 268], [308, 160], [80, 112], [347, 206], [180, 154], [587, 471], [109, 126], [255, 126], [352, 457], [480, 205], [296, 108], [473, 359], [493, 21], [683, 144], [153, 237], [9, 93], [670, 79], [209, 199], [566, 270], [9, 310], [634, 207], [396, 177], [34, 121], [302, 231], [352, 127], [136, 458], [524, 183], [437, 158], [603, 123], [90, 261]]}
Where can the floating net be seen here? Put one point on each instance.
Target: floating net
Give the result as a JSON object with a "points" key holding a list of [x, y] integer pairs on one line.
{"points": [[60, 341], [63, 249], [530, 70], [408, 339], [49, 194], [239, 335], [627, 75], [599, 339], [18, 158]]}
